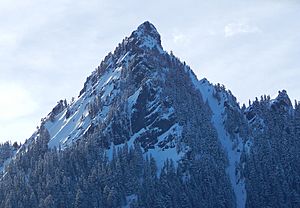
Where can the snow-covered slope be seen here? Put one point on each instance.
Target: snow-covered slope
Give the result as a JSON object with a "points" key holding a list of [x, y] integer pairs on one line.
{"points": [[127, 81], [64, 130], [100, 91], [232, 148]]}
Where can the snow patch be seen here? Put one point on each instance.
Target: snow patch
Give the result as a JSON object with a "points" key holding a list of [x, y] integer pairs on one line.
{"points": [[132, 100], [129, 200], [5, 163], [64, 131], [161, 155]]}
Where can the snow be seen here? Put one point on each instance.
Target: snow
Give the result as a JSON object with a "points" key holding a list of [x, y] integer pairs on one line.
{"points": [[113, 75], [161, 155], [110, 151], [104, 111], [154, 109], [169, 113], [5, 163], [147, 40], [123, 58], [151, 43], [129, 200], [106, 80], [283, 101], [132, 99], [64, 132], [233, 155], [136, 135]]}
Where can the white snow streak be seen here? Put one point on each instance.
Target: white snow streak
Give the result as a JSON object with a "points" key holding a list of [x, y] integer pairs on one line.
{"points": [[161, 155], [233, 155]]}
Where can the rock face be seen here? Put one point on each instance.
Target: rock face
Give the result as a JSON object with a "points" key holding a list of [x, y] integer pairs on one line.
{"points": [[142, 97], [122, 97]]}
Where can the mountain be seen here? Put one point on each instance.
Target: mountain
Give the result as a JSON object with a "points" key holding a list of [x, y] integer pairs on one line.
{"points": [[145, 132]]}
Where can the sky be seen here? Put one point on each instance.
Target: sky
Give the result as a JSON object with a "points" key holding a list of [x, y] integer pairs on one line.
{"points": [[48, 48]]}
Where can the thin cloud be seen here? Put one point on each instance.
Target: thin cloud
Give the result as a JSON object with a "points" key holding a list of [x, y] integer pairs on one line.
{"points": [[181, 39], [237, 28], [15, 102]]}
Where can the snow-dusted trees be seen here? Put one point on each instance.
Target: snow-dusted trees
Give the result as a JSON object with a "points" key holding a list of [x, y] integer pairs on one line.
{"points": [[272, 166], [6, 151], [60, 106]]}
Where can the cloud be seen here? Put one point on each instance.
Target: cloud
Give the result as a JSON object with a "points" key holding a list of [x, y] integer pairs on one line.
{"points": [[180, 38], [8, 40], [238, 28], [15, 102]]}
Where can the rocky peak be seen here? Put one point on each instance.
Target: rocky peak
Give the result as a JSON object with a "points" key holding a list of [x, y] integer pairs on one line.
{"points": [[147, 36], [283, 96], [282, 101]]}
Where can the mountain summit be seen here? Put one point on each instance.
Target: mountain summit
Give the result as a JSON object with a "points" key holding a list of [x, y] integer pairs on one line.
{"points": [[145, 132], [147, 29], [147, 36]]}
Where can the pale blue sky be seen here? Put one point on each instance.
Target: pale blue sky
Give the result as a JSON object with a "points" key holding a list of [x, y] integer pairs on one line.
{"points": [[48, 48]]}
